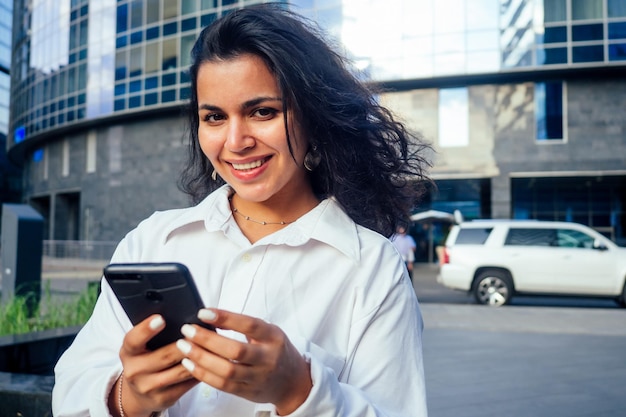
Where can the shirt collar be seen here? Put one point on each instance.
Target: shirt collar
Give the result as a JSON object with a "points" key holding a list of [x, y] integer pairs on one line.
{"points": [[326, 223]]}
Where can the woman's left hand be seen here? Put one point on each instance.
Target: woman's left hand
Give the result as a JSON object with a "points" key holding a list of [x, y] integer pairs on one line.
{"points": [[267, 369]]}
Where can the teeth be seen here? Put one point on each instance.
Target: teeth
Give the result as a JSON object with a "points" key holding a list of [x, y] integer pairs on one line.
{"points": [[249, 165]]}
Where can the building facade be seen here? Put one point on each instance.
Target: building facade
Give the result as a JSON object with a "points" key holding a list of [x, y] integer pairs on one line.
{"points": [[523, 101]]}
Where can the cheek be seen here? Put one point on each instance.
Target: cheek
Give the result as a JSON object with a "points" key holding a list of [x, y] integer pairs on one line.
{"points": [[209, 145]]}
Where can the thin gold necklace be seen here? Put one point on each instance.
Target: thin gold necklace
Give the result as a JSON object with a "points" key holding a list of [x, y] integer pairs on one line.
{"points": [[250, 219]]}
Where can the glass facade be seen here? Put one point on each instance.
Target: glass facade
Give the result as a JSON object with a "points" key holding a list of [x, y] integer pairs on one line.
{"points": [[5, 64], [79, 60]]}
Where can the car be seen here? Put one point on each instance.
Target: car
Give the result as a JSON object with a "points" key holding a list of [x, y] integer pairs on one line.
{"points": [[499, 259]]}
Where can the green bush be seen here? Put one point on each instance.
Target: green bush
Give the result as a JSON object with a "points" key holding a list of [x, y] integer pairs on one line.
{"points": [[49, 314]]}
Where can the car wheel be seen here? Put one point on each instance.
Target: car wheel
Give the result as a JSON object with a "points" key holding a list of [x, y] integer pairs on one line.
{"points": [[493, 288]]}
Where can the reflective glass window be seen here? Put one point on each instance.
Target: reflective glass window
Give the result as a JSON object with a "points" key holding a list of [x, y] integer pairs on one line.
{"points": [[120, 89], [555, 34], [136, 61], [453, 117], [185, 93], [617, 8], [136, 37], [119, 104], [592, 32], [121, 41], [151, 82], [188, 24], [73, 36], [208, 4], [168, 79], [152, 11], [617, 30], [152, 33], [82, 77], [186, 43], [152, 57], [136, 14], [617, 52], [170, 9], [549, 110], [554, 10], [134, 86], [120, 65], [122, 18], [592, 53], [168, 95], [228, 2], [150, 99], [170, 28], [134, 102], [169, 54], [82, 54], [586, 9], [189, 6], [207, 19], [84, 33]]}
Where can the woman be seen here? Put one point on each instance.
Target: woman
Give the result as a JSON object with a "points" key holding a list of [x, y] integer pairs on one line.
{"points": [[297, 174]]}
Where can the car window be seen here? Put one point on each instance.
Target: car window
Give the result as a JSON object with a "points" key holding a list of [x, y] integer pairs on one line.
{"points": [[531, 237], [473, 236], [574, 239]]}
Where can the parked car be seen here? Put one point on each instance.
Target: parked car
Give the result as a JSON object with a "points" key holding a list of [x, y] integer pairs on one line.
{"points": [[498, 259]]}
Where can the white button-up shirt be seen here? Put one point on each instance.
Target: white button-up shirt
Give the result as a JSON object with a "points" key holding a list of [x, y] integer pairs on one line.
{"points": [[338, 290]]}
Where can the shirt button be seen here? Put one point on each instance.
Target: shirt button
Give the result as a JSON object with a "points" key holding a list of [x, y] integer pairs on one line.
{"points": [[206, 392], [246, 257]]}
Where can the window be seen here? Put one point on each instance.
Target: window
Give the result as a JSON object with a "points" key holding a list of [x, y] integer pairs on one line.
{"points": [[574, 239], [453, 117], [586, 9], [91, 151], [531, 237], [473, 236], [549, 110]]}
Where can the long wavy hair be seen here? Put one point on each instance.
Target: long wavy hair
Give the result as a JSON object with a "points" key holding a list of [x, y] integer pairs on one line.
{"points": [[370, 163]]}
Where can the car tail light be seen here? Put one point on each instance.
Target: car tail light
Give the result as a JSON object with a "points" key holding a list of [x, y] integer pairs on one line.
{"points": [[445, 257]]}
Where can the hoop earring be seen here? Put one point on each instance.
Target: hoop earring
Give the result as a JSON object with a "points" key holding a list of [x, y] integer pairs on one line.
{"points": [[214, 175], [312, 159]]}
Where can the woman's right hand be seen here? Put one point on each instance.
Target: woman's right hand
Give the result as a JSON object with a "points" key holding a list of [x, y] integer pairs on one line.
{"points": [[152, 380]]}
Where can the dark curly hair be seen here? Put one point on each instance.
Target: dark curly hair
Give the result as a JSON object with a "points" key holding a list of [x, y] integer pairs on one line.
{"points": [[370, 163]]}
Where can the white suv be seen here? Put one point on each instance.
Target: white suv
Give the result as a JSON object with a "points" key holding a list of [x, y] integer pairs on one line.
{"points": [[496, 259]]}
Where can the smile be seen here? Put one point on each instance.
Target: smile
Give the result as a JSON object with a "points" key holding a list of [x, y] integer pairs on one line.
{"points": [[249, 165]]}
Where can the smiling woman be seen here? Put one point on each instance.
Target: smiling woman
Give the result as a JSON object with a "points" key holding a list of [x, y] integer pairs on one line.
{"points": [[297, 175]]}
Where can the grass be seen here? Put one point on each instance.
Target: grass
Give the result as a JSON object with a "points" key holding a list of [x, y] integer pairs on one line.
{"points": [[15, 317]]}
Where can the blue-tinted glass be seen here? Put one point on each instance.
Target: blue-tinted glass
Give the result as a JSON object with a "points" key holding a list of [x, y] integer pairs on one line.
{"points": [[121, 41], [207, 19], [81, 98], [151, 82], [84, 10], [557, 34], [53, 107], [588, 53], [122, 18], [134, 86], [617, 8], [587, 32], [549, 110], [169, 95], [188, 24], [151, 99], [184, 77], [228, 2], [134, 102], [120, 89], [72, 58], [185, 93], [71, 102], [120, 73], [136, 37], [73, 15], [82, 54], [617, 30], [617, 52], [168, 79], [52, 121], [61, 104], [152, 33], [170, 28], [118, 105], [80, 113], [71, 115]]}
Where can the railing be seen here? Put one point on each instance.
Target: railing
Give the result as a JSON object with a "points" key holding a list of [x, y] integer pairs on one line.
{"points": [[78, 249]]}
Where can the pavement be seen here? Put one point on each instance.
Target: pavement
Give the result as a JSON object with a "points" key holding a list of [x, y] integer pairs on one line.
{"points": [[534, 358]]}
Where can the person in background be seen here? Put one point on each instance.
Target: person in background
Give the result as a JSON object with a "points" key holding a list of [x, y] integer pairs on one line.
{"points": [[298, 176], [405, 244]]}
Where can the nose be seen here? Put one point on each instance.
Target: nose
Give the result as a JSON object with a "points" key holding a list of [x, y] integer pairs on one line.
{"points": [[239, 136]]}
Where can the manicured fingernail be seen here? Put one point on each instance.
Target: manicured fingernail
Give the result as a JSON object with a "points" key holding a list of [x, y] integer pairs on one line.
{"points": [[157, 322], [188, 331], [183, 346], [190, 366], [206, 315]]}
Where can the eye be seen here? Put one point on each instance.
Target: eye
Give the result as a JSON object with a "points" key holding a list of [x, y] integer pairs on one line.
{"points": [[212, 117], [264, 113]]}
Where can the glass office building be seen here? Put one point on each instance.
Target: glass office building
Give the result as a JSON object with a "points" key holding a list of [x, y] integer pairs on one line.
{"points": [[512, 93]]}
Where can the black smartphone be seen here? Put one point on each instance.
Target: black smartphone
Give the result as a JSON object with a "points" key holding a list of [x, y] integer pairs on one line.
{"points": [[167, 289]]}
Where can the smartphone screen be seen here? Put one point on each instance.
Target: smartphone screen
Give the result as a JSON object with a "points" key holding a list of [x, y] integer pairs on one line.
{"points": [[167, 289]]}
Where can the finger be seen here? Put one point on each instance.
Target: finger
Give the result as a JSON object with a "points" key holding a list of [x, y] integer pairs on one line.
{"points": [[136, 339], [253, 328]]}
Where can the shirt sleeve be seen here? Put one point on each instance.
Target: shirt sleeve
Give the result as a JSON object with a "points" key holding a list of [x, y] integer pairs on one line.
{"points": [[384, 375]]}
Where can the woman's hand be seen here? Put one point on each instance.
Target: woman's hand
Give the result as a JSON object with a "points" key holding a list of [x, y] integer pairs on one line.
{"points": [[152, 380], [267, 369]]}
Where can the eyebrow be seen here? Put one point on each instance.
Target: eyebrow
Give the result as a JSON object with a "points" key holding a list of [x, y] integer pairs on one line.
{"points": [[245, 105]]}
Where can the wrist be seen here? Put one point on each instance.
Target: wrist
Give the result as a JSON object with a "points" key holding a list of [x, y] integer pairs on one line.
{"points": [[297, 395]]}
